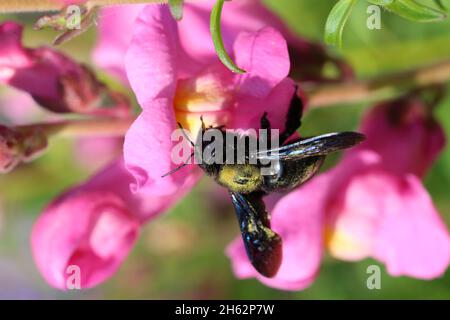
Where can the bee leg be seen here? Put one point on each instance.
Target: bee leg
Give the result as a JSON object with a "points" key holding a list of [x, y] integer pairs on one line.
{"points": [[256, 198], [293, 117], [265, 125], [264, 122], [264, 247], [203, 123]]}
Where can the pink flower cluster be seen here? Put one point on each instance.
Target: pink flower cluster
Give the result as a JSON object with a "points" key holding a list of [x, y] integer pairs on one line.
{"points": [[372, 204]]}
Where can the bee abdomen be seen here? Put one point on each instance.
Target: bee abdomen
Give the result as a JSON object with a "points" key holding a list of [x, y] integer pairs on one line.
{"points": [[292, 174]]}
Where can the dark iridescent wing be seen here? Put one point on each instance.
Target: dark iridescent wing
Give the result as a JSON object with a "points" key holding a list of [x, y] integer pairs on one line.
{"points": [[311, 147], [263, 246]]}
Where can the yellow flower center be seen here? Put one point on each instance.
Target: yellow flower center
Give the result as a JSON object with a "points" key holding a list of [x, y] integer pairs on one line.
{"points": [[207, 95], [344, 245]]}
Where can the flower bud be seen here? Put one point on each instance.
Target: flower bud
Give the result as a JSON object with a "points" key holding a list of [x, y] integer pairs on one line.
{"points": [[18, 146], [55, 81], [405, 134]]}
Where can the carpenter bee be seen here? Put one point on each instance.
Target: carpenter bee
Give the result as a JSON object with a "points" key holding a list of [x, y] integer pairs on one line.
{"points": [[293, 162]]}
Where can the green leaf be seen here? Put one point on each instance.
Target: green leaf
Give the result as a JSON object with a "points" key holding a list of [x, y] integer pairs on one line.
{"points": [[412, 10], [336, 21], [217, 38], [176, 8], [440, 5], [381, 2]]}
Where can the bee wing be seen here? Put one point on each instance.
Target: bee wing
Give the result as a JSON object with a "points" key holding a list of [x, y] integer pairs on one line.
{"points": [[263, 246], [315, 146]]}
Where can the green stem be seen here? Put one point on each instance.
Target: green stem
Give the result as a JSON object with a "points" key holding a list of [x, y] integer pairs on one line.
{"points": [[377, 89], [101, 127], [216, 34], [53, 5]]}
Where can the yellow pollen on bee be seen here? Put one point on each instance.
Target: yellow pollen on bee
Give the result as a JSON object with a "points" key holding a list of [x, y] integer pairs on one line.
{"points": [[240, 178], [251, 228]]}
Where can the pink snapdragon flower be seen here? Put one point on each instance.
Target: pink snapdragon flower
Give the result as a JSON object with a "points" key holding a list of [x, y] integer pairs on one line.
{"points": [[170, 85], [93, 227], [116, 29], [372, 204]]}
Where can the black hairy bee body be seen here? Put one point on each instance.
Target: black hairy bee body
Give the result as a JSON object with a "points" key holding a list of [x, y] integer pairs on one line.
{"points": [[247, 178], [293, 163]]}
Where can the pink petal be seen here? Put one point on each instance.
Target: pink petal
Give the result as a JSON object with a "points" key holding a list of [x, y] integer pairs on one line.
{"points": [[151, 60], [298, 219], [351, 222], [148, 148], [115, 33], [145, 206], [93, 231], [94, 226], [151, 66], [412, 239], [18, 108], [117, 23], [405, 136], [250, 109], [116, 29], [194, 32], [96, 152], [264, 55], [237, 16], [12, 54], [387, 216]]}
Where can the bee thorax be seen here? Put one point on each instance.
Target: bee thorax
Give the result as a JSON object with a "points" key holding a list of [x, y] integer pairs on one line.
{"points": [[244, 178]]}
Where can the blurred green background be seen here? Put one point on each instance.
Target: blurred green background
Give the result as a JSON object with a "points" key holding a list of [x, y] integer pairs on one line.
{"points": [[181, 254]]}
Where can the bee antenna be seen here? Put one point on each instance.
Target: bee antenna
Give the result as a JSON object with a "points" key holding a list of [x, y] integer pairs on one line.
{"points": [[174, 170], [185, 135], [179, 167]]}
